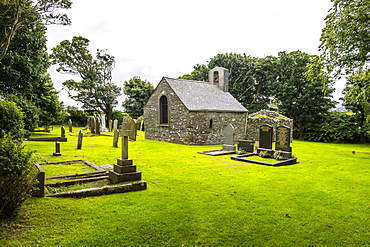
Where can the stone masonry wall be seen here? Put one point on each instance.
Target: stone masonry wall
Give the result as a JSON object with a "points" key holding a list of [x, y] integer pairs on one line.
{"points": [[262, 117], [188, 127]]}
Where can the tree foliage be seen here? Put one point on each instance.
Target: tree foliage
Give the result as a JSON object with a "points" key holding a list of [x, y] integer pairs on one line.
{"points": [[138, 93], [11, 120], [95, 91], [15, 14]]}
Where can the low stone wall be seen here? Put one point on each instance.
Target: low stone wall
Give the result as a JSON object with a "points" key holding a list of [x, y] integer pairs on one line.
{"points": [[262, 117]]}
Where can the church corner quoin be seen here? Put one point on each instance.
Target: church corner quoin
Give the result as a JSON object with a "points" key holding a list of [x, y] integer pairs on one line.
{"points": [[193, 112]]}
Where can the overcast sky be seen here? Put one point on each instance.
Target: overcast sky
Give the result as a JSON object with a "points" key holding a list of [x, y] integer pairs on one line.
{"points": [[152, 39]]}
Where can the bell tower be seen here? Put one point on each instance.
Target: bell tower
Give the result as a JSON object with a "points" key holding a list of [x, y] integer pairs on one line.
{"points": [[219, 76]]}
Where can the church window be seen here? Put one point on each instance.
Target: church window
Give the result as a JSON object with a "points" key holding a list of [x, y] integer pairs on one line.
{"points": [[163, 110]]}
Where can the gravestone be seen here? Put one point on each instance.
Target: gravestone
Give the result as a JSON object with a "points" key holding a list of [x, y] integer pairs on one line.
{"points": [[79, 141], [110, 125], [97, 126], [115, 138], [246, 145], [103, 125], [266, 131], [115, 124], [57, 149], [283, 138], [63, 132], [124, 170], [93, 123], [142, 125], [229, 133], [133, 129], [70, 125]]}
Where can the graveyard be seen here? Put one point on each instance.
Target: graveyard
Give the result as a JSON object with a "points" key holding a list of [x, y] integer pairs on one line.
{"points": [[194, 199]]}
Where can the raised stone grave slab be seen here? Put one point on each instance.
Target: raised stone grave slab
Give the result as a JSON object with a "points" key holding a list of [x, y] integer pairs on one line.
{"points": [[243, 157], [47, 139], [217, 152], [105, 190]]}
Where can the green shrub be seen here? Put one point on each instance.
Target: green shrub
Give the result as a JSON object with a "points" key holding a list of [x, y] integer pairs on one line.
{"points": [[119, 116], [30, 111], [16, 166], [11, 120], [78, 117]]}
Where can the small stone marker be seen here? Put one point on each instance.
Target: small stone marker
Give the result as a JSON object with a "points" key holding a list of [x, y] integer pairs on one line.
{"points": [[70, 125], [266, 136], [57, 149], [110, 125], [63, 132], [97, 126], [229, 138], [115, 124], [115, 138], [283, 138], [142, 125], [79, 141], [246, 145], [103, 126], [92, 129], [133, 129]]}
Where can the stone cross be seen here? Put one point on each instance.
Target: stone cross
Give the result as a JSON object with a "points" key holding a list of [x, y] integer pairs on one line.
{"points": [[229, 138], [79, 142], [70, 125], [63, 132], [125, 132], [110, 125]]}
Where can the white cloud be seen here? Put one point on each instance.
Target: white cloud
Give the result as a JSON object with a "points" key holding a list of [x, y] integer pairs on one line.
{"points": [[152, 39]]}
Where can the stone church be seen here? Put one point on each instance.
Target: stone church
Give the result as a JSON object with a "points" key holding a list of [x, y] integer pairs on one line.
{"points": [[194, 112]]}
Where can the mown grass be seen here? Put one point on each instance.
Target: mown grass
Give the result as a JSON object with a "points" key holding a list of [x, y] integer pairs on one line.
{"points": [[199, 200]]}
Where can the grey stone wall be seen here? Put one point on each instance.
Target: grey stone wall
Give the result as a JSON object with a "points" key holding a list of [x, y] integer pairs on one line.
{"points": [[262, 117], [188, 127]]}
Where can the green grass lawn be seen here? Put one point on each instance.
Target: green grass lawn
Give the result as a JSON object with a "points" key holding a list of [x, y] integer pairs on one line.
{"points": [[200, 200]]}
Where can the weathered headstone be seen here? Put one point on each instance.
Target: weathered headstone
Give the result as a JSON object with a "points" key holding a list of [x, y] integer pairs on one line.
{"points": [[142, 125], [229, 133], [265, 141], [63, 132], [115, 124], [133, 129], [103, 125], [115, 138], [124, 170], [97, 126], [246, 145], [283, 138], [70, 125], [57, 149], [79, 141], [110, 123], [93, 127]]}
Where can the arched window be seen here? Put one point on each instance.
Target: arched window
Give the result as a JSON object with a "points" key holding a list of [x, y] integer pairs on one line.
{"points": [[163, 109], [211, 123], [215, 77]]}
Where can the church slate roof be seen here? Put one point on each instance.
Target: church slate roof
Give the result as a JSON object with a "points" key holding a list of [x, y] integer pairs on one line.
{"points": [[204, 96]]}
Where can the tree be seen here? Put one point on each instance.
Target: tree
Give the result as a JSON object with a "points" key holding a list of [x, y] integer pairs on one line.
{"points": [[302, 99], [15, 14], [95, 91], [23, 70], [345, 38], [138, 93], [11, 120], [200, 73]]}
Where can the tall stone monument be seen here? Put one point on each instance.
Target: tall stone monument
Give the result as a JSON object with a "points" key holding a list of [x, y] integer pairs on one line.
{"points": [[103, 125], [70, 125], [124, 170]]}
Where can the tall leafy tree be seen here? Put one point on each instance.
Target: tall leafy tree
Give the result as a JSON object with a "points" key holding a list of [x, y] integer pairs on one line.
{"points": [[138, 93], [15, 14], [298, 97], [23, 70], [346, 36], [95, 91]]}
